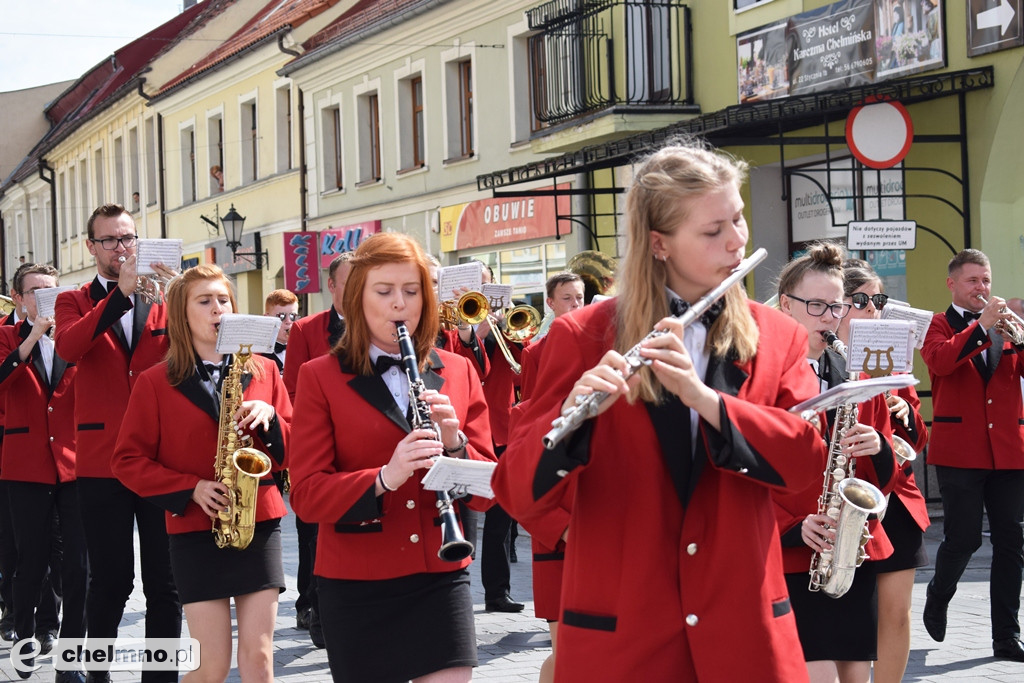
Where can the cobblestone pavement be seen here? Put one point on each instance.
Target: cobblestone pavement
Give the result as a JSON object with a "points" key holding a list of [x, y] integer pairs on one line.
{"points": [[512, 646]]}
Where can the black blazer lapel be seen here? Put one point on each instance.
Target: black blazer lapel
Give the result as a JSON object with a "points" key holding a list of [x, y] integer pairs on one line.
{"points": [[59, 366], [139, 318], [40, 366], [957, 322], [995, 353], [335, 328], [97, 292], [371, 388], [195, 390], [671, 422]]}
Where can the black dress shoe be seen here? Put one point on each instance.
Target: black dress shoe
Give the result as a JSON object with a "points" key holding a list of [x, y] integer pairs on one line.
{"points": [[302, 619], [8, 634], [504, 604], [70, 677], [97, 677], [1009, 648], [935, 617], [316, 632], [47, 640]]}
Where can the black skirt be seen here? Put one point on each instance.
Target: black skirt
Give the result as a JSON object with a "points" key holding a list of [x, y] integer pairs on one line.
{"points": [[202, 571], [840, 629], [395, 630], [906, 537]]}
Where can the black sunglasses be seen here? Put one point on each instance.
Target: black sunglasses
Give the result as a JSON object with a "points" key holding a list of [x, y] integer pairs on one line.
{"points": [[860, 300], [286, 316]]}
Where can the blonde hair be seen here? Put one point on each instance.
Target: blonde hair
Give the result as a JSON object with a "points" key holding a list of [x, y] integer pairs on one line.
{"points": [[821, 257], [181, 355], [664, 188]]}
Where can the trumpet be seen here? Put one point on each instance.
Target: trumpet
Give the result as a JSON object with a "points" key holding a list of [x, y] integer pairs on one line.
{"points": [[7, 305], [150, 287], [521, 322], [1014, 328]]}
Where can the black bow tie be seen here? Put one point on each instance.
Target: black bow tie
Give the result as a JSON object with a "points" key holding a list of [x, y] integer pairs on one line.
{"points": [[970, 315], [678, 307], [385, 362], [212, 371], [279, 347]]}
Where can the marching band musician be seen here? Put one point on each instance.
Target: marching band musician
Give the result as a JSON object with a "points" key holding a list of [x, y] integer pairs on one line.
{"points": [[392, 610], [166, 452], [112, 334], [681, 459], [977, 447], [906, 516], [36, 388], [838, 635]]}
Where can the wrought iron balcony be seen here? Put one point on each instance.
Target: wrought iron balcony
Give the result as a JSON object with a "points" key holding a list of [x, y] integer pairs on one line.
{"points": [[590, 55]]}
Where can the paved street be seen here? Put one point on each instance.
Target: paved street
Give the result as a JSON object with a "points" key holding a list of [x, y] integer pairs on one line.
{"points": [[512, 647]]}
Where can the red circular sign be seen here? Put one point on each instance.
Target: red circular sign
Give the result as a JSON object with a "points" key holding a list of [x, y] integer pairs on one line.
{"points": [[879, 134]]}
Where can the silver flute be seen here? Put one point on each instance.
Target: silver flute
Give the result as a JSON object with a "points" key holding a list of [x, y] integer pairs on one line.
{"points": [[587, 404]]}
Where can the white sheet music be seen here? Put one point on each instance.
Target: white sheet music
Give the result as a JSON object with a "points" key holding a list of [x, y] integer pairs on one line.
{"points": [[498, 296], [460, 476], [46, 298], [452, 278], [856, 391], [921, 319], [879, 344], [237, 329], [167, 252]]}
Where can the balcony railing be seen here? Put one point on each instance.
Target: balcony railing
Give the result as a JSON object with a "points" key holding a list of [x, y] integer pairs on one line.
{"points": [[589, 55]]}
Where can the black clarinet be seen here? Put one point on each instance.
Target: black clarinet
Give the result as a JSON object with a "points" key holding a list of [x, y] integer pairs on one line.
{"points": [[454, 547]]}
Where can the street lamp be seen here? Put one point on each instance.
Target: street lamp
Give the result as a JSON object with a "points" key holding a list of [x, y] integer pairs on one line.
{"points": [[233, 224]]}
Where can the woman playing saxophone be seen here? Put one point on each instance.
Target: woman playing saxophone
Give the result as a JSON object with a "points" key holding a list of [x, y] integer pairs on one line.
{"points": [[166, 452], [837, 634]]}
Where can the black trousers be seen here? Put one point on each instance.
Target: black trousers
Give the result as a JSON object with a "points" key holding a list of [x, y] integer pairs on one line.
{"points": [[307, 534], [966, 493], [33, 510], [495, 571], [110, 512], [48, 598]]}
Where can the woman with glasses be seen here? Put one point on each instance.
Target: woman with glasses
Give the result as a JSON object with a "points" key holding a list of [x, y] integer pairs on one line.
{"points": [[906, 516], [838, 635]]}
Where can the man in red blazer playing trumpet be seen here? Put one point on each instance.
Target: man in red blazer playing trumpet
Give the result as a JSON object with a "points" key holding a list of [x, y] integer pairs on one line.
{"points": [[112, 334], [977, 446]]}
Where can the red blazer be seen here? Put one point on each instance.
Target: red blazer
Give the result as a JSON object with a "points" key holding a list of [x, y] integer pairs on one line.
{"points": [[791, 507], [168, 443], [916, 434], [310, 338], [349, 428], [89, 334], [40, 429], [653, 590], [976, 422], [500, 388]]}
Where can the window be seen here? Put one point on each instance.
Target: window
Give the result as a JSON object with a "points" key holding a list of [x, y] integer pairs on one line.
{"points": [[134, 180], [410, 116], [649, 53], [62, 205], [460, 110], [284, 129], [524, 120], [215, 153], [250, 141], [119, 194], [369, 137], [332, 148], [85, 205], [97, 166], [151, 157], [188, 165], [744, 4], [419, 154]]}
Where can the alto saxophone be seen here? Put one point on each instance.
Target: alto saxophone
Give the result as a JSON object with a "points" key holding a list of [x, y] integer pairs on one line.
{"points": [[237, 465], [848, 501]]}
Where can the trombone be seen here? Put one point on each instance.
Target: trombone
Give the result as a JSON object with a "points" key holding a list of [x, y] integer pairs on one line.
{"points": [[521, 322]]}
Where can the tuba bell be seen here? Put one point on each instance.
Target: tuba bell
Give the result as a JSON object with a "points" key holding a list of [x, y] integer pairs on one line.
{"points": [[596, 269], [7, 305], [472, 308]]}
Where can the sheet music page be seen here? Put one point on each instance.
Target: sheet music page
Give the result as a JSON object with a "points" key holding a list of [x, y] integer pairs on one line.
{"points": [[856, 391], [460, 476], [881, 346], [237, 329], [452, 278], [921, 319], [498, 296], [167, 252], [46, 299]]}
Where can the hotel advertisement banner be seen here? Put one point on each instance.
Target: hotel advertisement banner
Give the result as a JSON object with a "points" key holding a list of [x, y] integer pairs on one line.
{"points": [[845, 44], [502, 220], [301, 275]]}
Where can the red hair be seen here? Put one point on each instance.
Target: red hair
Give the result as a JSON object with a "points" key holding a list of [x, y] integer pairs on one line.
{"points": [[379, 250]]}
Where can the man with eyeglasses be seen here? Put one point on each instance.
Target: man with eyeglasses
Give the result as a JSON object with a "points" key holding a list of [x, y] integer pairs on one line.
{"points": [[283, 305], [311, 338], [977, 448], [113, 335]]}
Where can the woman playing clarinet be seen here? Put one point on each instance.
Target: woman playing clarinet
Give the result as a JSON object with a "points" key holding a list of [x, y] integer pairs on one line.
{"points": [[680, 462], [392, 608]]}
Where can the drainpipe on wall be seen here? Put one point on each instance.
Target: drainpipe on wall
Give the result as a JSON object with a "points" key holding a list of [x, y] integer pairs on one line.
{"points": [[45, 168], [160, 174], [3, 258]]}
